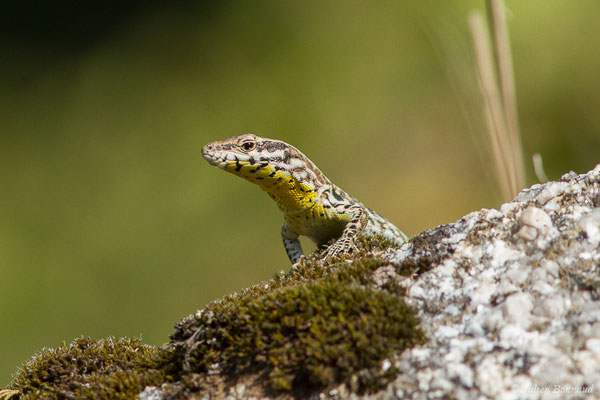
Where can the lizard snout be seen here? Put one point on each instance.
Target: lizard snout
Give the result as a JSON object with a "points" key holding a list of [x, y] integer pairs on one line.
{"points": [[207, 153]]}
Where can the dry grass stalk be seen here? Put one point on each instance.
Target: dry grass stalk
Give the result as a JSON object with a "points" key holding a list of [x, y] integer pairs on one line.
{"points": [[492, 105], [507, 85], [499, 102]]}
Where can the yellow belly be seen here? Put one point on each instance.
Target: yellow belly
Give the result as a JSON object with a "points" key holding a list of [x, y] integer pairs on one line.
{"points": [[317, 225]]}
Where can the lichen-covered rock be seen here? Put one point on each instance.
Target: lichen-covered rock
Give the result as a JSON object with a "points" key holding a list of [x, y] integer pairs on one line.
{"points": [[511, 307]]}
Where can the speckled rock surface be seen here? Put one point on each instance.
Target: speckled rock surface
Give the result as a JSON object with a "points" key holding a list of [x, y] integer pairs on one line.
{"points": [[511, 307]]}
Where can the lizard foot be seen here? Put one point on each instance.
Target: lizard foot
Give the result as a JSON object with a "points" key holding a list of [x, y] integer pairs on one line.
{"points": [[341, 246]]}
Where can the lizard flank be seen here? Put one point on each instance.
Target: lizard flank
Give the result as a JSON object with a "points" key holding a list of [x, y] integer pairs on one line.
{"points": [[311, 204]]}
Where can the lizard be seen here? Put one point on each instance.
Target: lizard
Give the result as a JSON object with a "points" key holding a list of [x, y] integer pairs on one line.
{"points": [[312, 205]]}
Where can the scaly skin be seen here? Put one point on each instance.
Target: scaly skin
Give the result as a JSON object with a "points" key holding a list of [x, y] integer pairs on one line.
{"points": [[311, 204]]}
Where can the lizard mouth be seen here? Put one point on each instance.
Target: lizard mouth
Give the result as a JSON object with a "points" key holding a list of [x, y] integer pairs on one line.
{"points": [[212, 160], [219, 162], [216, 162]]}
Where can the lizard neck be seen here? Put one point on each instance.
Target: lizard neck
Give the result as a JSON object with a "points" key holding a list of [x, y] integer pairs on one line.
{"points": [[281, 170], [291, 195]]}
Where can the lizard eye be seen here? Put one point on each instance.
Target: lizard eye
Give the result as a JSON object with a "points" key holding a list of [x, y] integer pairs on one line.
{"points": [[248, 146]]}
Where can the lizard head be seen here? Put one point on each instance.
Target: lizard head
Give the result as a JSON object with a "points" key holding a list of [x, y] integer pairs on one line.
{"points": [[278, 168], [238, 152]]}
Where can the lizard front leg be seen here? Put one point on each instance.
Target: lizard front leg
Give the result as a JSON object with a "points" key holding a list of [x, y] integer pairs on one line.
{"points": [[291, 243], [347, 241]]}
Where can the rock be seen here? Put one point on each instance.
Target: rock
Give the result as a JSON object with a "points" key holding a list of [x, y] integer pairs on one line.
{"points": [[151, 393], [530, 285], [536, 218], [517, 309]]}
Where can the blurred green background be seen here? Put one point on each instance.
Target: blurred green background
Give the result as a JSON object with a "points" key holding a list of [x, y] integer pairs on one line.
{"points": [[112, 224]]}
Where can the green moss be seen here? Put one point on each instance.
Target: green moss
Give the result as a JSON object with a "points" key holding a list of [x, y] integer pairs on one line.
{"points": [[321, 324], [87, 369], [309, 335]]}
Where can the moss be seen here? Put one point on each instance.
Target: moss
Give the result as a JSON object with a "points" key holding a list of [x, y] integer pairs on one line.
{"points": [[313, 334], [87, 369], [321, 324]]}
